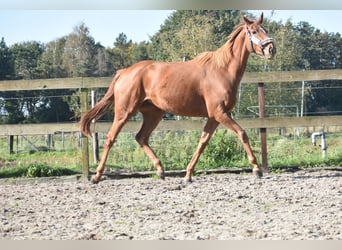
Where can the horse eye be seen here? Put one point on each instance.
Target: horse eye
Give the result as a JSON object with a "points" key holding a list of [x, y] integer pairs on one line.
{"points": [[254, 32]]}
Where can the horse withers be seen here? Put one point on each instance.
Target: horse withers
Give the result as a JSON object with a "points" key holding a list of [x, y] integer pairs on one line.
{"points": [[205, 86]]}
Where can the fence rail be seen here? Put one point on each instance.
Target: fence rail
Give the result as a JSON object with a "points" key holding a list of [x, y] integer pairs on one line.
{"points": [[171, 125], [104, 82]]}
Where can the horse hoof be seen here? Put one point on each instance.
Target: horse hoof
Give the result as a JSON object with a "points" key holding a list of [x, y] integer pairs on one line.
{"points": [[257, 173], [96, 180], [161, 175], [187, 181]]}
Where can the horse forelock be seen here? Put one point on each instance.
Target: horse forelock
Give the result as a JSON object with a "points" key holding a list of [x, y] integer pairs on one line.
{"points": [[222, 55]]}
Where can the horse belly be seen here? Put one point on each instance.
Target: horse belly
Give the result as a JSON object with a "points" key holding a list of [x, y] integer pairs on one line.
{"points": [[180, 104]]}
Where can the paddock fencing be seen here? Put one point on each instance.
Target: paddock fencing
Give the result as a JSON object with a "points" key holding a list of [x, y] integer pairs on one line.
{"points": [[66, 136]]}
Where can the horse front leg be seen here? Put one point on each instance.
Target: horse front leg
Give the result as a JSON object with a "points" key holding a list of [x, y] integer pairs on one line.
{"points": [[229, 123], [208, 130]]}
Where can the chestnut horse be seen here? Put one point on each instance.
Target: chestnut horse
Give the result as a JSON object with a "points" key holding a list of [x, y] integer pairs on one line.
{"points": [[203, 87]]}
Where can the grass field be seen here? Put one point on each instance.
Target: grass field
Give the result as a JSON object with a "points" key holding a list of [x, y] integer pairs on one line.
{"points": [[175, 149]]}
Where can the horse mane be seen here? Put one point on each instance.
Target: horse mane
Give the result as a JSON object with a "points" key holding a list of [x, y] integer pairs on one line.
{"points": [[222, 55]]}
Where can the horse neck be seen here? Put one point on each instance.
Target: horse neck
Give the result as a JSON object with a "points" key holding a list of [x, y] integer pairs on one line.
{"points": [[239, 57]]}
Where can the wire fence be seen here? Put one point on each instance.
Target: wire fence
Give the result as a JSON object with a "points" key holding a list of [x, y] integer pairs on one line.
{"points": [[247, 97], [282, 100], [175, 148], [287, 99]]}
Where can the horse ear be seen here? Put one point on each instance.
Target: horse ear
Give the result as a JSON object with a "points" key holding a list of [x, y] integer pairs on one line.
{"points": [[260, 19], [246, 20]]}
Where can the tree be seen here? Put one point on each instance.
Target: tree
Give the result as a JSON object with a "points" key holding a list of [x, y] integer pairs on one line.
{"points": [[6, 62], [337, 45], [17, 105], [321, 51], [101, 64], [51, 62], [34, 60], [6, 73], [26, 57], [119, 56], [140, 51], [79, 53], [187, 33], [125, 53], [195, 36]]}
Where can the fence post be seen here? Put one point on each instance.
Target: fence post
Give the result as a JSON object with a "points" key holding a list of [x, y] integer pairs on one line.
{"points": [[85, 149], [10, 144], [261, 93], [95, 134]]}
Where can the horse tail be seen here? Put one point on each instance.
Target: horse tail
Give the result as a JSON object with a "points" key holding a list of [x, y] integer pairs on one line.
{"points": [[99, 109]]}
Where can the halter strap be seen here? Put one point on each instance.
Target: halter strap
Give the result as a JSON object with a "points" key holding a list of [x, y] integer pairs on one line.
{"points": [[257, 41]]}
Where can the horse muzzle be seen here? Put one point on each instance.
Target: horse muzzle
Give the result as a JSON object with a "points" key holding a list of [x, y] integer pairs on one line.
{"points": [[269, 50]]}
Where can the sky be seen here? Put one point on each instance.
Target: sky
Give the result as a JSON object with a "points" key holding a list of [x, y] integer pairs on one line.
{"points": [[139, 25], [104, 26], [325, 20]]}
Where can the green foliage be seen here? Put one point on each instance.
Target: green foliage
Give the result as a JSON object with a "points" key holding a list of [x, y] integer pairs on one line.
{"points": [[175, 149], [285, 152], [41, 170], [51, 64], [35, 169], [6, 61], [26, 57], [78, 52], [186, 33], [223, 149], [41, 163]]}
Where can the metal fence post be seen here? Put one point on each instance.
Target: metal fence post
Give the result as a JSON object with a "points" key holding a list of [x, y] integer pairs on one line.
{"points": [[85, 147], [261, 93]]}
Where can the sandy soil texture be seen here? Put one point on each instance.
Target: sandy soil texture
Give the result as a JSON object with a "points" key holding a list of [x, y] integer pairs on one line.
{"points": [[300, 205]]}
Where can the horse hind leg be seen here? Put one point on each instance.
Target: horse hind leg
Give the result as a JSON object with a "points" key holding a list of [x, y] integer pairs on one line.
{"points": [[127, 102], [120, 118], [151, 117], [111, 137], [208, 130]]}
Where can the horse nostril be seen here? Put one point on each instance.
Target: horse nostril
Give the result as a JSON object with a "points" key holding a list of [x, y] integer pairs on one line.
{"points": [[271, 50]]}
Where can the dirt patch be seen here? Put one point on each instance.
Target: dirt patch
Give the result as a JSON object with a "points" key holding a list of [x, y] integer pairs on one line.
{"points": [[300, 205]]}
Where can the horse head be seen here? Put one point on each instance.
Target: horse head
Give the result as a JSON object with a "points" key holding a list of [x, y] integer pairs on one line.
{"points": [[257, 39]]}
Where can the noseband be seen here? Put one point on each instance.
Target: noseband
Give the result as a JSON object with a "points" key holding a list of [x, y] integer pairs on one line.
{"points": [[257, 41]]}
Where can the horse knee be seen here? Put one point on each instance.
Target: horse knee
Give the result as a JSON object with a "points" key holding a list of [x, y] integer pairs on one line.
{"points": [[243, 136], [140, 139], [109, 142], [204, 139]]}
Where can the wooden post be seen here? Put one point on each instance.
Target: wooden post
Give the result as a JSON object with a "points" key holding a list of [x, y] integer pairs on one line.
{"points": [[17, 142], [10, 144], [95, 134], [63, 140], [261, 92], [85, 149]]}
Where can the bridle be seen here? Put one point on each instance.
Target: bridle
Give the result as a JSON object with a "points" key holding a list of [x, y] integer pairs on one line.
{"points": [[257, 41]]}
